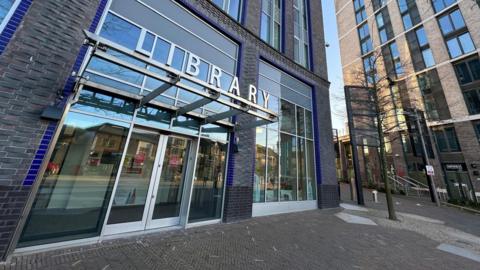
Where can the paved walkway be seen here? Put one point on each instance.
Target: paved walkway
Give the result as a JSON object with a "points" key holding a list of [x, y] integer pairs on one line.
{"points": [[319, 239]]}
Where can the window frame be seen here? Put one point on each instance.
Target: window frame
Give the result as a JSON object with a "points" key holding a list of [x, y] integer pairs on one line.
{"points": [[442, 131], [271, 26], [361, 10], [9, 15], [226, 8], [304, 39], [455, 34], [425, 47]]}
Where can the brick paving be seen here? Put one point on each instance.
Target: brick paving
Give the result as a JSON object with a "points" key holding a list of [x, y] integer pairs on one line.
{"points": [[306, 240]]}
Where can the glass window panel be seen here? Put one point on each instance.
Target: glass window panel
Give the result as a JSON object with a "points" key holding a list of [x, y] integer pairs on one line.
{"points": [[379, 19], [462, 73], [457, 19], [5, 6], [131, 193], [260, 165], [215, 132], [407, 21], [148, 42], [472, 99], [274, 105], [475, 68], [265, 28], [154, 117], [112, 83], [310, 173], [421, 37], [300, 121], [383, 36], [287, 117], [152, 84], [75, 190], [172, 177], [441, 142], [116, 71], [302, 169], [428, 57], [476, 125], [288, 161], [466, 42], [160, 53], [452, 139], [120, 31], [234, 9], [273, 161], [105, 105], [403, 5], [445, 24], [185, 124], [309, 124], [178, 58], [207, 193], [454, 48]]}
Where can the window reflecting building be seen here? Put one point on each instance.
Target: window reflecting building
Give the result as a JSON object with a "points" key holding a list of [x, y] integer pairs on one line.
{"points": [[174, 114]]}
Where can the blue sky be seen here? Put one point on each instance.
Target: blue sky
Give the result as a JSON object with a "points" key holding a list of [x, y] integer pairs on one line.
{"points": [[334, 65]]}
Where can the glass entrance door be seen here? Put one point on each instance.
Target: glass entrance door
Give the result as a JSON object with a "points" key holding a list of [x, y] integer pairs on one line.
{"points": [[150, 186]]}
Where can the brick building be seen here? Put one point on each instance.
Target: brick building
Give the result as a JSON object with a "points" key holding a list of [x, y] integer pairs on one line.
{"points": [[430, 52], [129, 115]]}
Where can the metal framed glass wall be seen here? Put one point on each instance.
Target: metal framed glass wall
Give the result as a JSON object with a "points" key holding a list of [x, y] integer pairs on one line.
{"points": [[107, 137], [284, 166]]}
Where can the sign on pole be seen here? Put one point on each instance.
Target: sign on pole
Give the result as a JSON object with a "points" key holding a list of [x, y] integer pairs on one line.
{"points": [[429, 169]]}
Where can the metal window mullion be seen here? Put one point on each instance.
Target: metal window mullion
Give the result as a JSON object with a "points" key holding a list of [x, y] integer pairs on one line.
{"points": [[266, 163]]}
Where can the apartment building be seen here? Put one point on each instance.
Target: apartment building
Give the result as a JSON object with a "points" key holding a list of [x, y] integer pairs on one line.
{"points": [[430, 52]]}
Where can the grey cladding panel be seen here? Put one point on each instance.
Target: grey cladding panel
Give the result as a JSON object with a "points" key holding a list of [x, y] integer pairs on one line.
{"points": [[182, 28]]}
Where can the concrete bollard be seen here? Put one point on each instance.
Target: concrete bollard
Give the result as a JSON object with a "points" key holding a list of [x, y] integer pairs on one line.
{"points": [[375, 196]]}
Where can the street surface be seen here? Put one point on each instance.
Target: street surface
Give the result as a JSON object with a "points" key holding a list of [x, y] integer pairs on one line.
{"points": [[345, 238]]}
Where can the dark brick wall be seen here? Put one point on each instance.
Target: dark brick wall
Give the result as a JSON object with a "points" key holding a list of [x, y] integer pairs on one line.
{"points": [[33, 68]]}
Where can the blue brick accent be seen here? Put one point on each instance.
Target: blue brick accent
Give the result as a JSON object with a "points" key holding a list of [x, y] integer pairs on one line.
{"points": [[13, 23], [67, 90]]}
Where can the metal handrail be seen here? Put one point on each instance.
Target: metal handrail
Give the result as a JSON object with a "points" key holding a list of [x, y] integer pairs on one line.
{"points": [[416, 181]]}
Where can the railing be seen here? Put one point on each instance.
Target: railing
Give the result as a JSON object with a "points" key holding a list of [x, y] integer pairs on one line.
{"points": [[408, 184]]}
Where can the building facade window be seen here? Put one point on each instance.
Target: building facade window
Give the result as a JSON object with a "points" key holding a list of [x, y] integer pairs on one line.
{"points": [[434, 101], [455, 33], [284, 166], [446, 139], [377, 4], [271, 26], [396, 61], [468, 75], [301, 42], [384, 26], [440, 5], [231, 7], [476, 126], [427, 55], [365, 39], [6, 10], [360, 11], [409, 12]]}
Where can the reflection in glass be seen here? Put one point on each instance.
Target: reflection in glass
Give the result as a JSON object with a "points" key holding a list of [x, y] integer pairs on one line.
{"points": [[120, 31], [310, 173], [153, 117], [273, 158], [76, 187], [207, 193], [288, 159], [308, 124], [170, 187], [103, 104], [302, 168], [131, 193], [287, 117], [260, 165], [300, 121]]}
